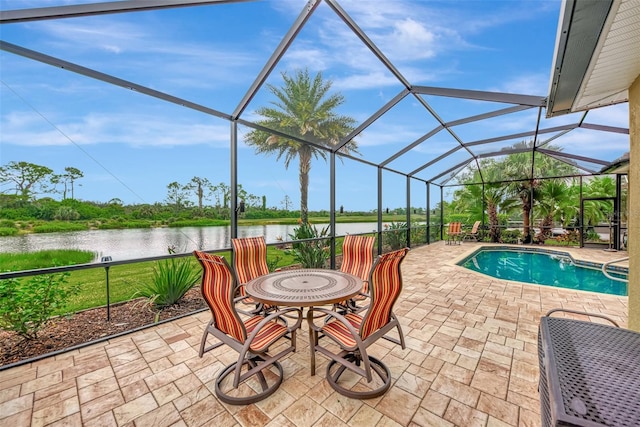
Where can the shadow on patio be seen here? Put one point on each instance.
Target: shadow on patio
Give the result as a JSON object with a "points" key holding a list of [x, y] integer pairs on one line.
{"points": [[471, 359]]}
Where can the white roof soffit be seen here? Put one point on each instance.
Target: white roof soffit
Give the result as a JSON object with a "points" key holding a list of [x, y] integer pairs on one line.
{"points": [[596, 55]]}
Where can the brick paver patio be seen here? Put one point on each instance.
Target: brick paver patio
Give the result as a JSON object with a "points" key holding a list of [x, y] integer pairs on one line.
{"points": [[471, 360]]}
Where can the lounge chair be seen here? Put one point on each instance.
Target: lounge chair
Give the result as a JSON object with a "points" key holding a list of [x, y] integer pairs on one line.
{"points": [[473, 234]]}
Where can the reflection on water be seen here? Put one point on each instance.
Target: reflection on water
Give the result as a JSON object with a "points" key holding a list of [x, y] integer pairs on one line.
{"points": [[141, 243]]}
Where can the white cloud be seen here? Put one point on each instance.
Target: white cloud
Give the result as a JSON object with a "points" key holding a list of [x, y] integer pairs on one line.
{"points": [[100, 128], [525, 83], [365, 81], [111, 36], [390, 134]]}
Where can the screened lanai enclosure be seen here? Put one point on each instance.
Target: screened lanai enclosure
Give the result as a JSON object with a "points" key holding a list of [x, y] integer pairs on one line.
{"points": [[138, 106]]}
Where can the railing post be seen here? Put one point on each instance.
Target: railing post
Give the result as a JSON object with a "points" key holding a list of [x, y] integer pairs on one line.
{"points": [[106, 270]]}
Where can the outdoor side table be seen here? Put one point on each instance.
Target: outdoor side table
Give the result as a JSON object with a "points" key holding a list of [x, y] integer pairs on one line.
{"points": [[589, 374]]}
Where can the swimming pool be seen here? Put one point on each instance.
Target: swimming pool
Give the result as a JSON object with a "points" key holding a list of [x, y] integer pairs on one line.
{"points": [[541, 267]]}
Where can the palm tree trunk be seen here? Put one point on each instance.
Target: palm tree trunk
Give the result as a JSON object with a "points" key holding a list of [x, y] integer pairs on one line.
{"points": [[525, 216], [305, 167], [494, 229], [545, 231]]}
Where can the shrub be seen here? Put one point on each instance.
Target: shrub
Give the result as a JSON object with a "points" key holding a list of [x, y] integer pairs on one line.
{"points": [[171, 279], [7, 223], [396, 235], [311, 254], [571, 237], [8, 231], [52, 227], [511, 236], [66, 213], [272, 263], [27, 306], [591, 235]]}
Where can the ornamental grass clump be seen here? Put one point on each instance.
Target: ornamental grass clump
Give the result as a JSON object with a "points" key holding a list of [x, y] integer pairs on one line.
{"points": [[172, 278], [312, 253], [26, 306]]}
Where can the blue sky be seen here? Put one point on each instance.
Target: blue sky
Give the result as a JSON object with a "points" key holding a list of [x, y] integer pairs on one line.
{"points": [[131, 146]]}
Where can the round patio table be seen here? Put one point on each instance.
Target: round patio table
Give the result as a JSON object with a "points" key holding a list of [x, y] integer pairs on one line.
{"points": [[305, 287]]}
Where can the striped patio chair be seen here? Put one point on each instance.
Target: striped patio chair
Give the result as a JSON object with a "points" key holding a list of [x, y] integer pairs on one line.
{"points": [[354, 333], [455, 230], [357, 259], [251, 338], [249, 262]]}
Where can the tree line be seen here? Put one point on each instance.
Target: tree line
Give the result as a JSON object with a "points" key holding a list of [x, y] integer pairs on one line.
{"points": [[513, 190], [22, 182], [29, 179]]}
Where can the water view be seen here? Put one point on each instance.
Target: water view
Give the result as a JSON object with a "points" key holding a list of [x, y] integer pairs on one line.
{"points": [[141, 243]]}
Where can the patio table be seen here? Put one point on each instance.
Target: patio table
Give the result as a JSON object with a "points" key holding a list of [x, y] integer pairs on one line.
{"points": [[307, 287], [589, 374]]}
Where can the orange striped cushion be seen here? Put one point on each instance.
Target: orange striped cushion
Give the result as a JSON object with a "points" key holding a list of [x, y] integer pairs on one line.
{"points": [[386, 284], [357, 258], [251, 323], [217, 289], [357, 255], [338, 331], [249, 258], [269, 333]]}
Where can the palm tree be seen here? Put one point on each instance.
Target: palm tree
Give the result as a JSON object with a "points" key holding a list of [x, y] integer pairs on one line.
{"points": [[597, 211], [469, 198], [304, 109], [553, 196], [525, 181]]}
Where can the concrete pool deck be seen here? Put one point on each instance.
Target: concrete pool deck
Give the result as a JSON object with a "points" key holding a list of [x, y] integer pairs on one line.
{"points": [[471, 360]]}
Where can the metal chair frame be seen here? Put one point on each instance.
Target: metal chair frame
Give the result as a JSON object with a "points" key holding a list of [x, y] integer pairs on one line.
{"points": [[257, 359], [473, 234], [355, 358]]}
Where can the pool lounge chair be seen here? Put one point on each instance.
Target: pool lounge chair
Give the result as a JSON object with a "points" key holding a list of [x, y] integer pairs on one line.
{"points": [[473, 234]]}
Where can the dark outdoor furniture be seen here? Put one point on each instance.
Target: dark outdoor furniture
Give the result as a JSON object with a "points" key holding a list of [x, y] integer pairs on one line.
{"points": [[256, 374], [589, 373], [354, 334]]}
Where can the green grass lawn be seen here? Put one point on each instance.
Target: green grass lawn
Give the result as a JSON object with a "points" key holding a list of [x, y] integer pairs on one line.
{"points": [[124, 280]]}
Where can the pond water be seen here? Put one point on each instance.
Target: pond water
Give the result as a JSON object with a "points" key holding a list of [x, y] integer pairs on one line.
{"points": [[141, 243]]}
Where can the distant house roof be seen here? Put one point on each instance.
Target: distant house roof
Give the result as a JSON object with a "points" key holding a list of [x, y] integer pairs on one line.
{"points": [[619, 165]]}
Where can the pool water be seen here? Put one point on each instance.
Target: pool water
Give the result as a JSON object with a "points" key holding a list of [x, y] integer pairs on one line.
{"points": [[543, 269]]}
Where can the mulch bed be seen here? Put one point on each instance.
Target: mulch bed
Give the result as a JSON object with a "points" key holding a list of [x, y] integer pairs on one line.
{"points": [[67, 331]]}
